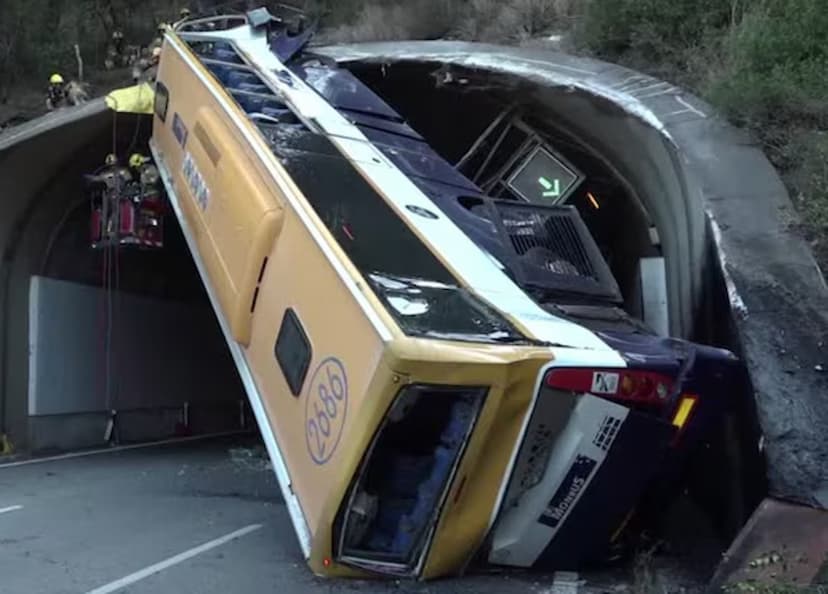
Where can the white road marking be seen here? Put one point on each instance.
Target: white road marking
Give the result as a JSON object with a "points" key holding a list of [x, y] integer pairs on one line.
{"points": [[5, 510], [167, 563]]}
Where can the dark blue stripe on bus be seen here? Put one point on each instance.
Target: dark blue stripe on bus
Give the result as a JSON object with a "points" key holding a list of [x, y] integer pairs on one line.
{"points": [[634, 456]]}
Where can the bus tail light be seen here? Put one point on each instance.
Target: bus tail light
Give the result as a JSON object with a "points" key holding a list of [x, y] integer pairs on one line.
{"points": [[395, 502], [632, 386]]}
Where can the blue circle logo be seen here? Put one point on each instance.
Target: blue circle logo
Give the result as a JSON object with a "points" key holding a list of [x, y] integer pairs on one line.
{"points": [[325, 409]]}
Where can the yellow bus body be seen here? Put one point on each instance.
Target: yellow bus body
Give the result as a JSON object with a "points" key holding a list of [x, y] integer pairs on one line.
{"points": [[256, 214]]}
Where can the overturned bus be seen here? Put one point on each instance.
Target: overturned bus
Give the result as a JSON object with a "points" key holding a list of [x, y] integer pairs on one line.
{"points": [[441, 376]]}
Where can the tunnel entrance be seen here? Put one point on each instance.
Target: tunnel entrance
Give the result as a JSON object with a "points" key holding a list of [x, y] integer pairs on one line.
{"points": [[482, 125], [466, 116], [123, 344]]}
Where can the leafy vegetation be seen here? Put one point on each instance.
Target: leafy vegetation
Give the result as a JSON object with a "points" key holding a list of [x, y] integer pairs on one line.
{"points": [[37, 37], [762, 63]]}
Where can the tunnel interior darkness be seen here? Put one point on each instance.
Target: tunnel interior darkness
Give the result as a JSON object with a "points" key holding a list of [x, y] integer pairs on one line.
{"points": [[453, 117], [150, 348]]}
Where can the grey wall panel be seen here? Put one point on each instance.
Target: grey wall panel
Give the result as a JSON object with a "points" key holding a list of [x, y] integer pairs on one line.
{"points": [[163, 353]]}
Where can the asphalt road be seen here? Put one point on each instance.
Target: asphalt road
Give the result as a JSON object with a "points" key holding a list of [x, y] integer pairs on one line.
{"points": [[135, 521]]}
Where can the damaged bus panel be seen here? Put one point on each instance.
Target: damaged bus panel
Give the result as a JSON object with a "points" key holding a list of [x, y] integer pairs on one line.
{"points": [[441, 376]]}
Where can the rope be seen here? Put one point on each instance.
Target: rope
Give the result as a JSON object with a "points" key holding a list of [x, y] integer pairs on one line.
{"points": [[102, 322], [117, 298], [109, 330], [134, 140], [111, 281]]}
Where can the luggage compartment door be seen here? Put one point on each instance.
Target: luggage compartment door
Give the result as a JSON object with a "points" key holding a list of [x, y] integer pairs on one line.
{"points": [[240, 215]]}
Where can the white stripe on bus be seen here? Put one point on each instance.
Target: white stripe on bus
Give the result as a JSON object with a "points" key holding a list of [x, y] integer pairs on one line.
{"points": [[268, 160], [464, 257]]}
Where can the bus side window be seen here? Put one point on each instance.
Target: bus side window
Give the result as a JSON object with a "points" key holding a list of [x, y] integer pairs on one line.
{"points": [[293, 351]]}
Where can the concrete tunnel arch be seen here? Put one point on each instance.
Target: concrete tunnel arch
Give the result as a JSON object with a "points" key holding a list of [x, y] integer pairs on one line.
{"points": [[44, 230], [696, 176]]}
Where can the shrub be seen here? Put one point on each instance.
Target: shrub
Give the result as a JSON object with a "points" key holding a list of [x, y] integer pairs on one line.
{"points": [[379, 21], [776, 64], [474, 20], [514, 20], [660, 30]]}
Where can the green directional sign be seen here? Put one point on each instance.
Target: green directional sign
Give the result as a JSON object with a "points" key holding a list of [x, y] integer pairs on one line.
{"points": [[552, 189], [545, 178]]}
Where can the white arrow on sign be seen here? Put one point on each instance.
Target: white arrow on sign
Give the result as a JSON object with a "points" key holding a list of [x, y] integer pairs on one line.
{"points": [[551, 189]]}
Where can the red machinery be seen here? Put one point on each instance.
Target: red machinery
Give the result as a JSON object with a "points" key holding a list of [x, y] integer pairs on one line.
{"points": [[127, 205]]}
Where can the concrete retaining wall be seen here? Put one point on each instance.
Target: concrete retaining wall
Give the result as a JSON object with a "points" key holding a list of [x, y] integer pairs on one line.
{"points": [[163, 353]]}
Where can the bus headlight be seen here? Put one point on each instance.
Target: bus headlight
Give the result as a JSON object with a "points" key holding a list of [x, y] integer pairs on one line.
{"points": [[395, 501]]}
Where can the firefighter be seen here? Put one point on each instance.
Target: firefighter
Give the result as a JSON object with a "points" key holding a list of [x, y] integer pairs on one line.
{"points": [[132, 54], [76, 93], [115, 56], [184, 15], [56, 94], [140, 63], [118, 42], [146, 200], [116, 174], [151, 72], [143, 170], [146, 69], [135, 161], [159, 40], [109, 184]]}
